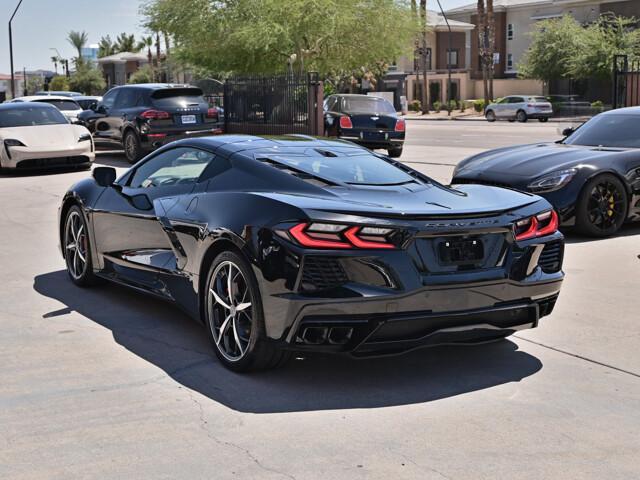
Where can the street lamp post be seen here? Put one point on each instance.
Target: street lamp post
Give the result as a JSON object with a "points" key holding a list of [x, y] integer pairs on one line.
{"points": [[13, 80], [448, 60]]}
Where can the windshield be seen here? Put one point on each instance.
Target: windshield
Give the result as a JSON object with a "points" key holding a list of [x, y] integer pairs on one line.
{"points": [[64, 105], [366, 104], [613, 130], [361, 169], [30, 117], [178, 98]]}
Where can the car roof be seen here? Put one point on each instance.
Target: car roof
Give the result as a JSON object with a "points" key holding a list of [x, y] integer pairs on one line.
{"points": [[86, 97], [235, 143], [31, 98], [157, 86], [63, 93], [623, 111], [19, 105]]}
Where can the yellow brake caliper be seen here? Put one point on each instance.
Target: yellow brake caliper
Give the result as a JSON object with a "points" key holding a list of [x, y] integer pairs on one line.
{"points": [[611, 205]]}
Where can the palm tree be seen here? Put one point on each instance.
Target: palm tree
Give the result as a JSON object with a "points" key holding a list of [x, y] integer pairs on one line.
{"points": [[105, 47], [78, 40], [127, 43], [425, 53], [55, 59]]}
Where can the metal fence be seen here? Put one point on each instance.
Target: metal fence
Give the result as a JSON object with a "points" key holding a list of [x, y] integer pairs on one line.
{"points": [[274, 105], [626, 82]]}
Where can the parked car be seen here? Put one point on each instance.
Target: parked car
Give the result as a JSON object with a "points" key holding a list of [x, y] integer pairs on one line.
{"points": [[591, 177], [300, 244], [59, 93], [37, 135], [520, 108], [366, 120], [68, 106], [143, 117], [88, 102]]}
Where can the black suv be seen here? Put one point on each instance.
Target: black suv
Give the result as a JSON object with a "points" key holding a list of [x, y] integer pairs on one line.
{"points": [[146, 116]]}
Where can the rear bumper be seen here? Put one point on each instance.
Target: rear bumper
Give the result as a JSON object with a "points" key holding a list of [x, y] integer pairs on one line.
{"points": [[391, 333], [388, 139], [154, 140]]}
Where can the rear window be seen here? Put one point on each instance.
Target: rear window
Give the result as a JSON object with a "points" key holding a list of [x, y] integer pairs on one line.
{"points": [[539, 100], [64, 105], [360, 169], [366, 104], [26, 116], [177, 98]]}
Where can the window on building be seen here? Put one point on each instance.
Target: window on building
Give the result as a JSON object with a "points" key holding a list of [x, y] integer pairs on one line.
{"points": [[510, 31], [452, 57], [419, 59], [509, 61]]}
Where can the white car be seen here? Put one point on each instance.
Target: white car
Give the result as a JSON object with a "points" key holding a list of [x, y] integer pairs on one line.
{"points": [[67, 105], [520, 108], [37, 135]]}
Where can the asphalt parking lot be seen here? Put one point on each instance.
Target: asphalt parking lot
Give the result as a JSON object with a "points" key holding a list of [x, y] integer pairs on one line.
{"points": [[106, 383]]}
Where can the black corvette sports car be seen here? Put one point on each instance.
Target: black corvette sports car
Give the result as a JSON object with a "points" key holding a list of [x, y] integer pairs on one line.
{"points": [[591, 177], [294, 243]]}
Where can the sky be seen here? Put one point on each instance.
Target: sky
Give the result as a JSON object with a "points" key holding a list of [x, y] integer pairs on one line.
{"points": [[41, 25]]}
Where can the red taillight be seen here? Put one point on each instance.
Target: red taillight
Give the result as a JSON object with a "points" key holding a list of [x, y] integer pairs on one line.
{"points": [[330, 236], [400, 125], [212, 113], [155, 115], [345, 122], [537, 226]]}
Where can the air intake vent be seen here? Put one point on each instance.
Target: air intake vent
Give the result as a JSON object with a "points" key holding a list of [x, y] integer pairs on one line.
{"points": [[551, 257], [322, 273]]}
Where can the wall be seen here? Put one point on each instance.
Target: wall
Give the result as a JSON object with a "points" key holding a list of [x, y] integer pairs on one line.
{"points": [[442, 45], [499, 68], [626, 9], [508, 86]]}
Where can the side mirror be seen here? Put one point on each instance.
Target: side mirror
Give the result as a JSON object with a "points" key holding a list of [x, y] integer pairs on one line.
{"points": [[104, 176], [100, 109], [567, 131]]}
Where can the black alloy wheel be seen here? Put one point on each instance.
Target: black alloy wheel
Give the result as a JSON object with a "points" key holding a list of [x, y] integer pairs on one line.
{"points": [[234, 317], [77, 253], [395, 152], [132, 149], [490, 116], [602, 206]]}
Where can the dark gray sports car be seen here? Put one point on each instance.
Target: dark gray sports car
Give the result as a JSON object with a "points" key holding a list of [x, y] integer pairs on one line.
{"points": [[591, 177]]}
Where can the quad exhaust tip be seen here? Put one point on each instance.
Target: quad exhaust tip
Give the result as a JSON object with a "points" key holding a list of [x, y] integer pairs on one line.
{"points": [[322, 335]]}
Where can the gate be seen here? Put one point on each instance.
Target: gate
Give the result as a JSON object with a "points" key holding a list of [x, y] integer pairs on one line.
{"points": [[274, 105], [626, 82]]}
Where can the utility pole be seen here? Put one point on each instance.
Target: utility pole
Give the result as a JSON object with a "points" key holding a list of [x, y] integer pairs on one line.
{"points": [[13, 79]]}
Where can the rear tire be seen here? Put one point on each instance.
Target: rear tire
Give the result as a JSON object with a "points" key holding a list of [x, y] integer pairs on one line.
{"points": [[395, 152], [490, 116], [543, 119], [132, 147], [521, 116], [602, 206], [237, 333]]}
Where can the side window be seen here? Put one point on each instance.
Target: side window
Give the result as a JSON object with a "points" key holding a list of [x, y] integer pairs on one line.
{"points": [[505, 100], [127, 98], [178, 166], [516, 100], [109, 99], [331, 104]]}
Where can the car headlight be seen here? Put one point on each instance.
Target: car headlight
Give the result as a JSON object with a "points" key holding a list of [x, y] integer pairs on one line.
{"points": [[12, 142], [85, 137], [553, 181]]}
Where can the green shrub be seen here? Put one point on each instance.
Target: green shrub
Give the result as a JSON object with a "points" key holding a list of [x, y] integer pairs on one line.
{"points": [[415, 106], [437, 106], [597, 104], [59, 83], [452, 105], [478, 105]]}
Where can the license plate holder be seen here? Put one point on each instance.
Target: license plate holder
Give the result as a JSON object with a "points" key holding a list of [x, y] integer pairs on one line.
{"points": [[188, 119], [461, 251]]}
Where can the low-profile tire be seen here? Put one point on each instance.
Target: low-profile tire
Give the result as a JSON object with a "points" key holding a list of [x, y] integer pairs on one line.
{"points": [[395, 152], [602, 206], [235, 321], [490, 116], [132, 147], [77, 249], [521, 116], [543, 119]]}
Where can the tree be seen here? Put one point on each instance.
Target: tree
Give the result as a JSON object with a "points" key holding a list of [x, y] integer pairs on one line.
{"points": [[88, 80], [106, 47], [266, 36], [78, 40], [555, 43], [127, 43], [601, 41], [34, 84], [55, 60], [486, 46], [425, 55], [59, 83], [143, 75]]}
